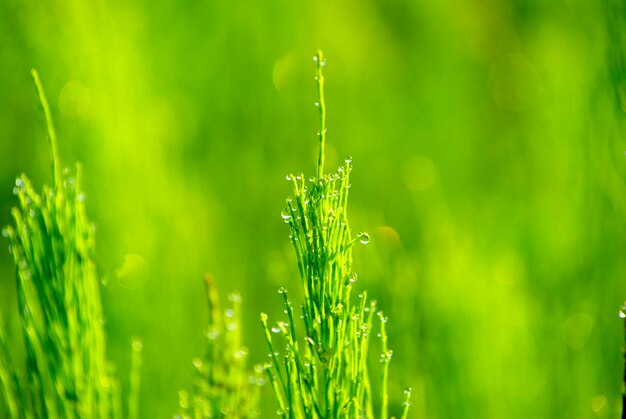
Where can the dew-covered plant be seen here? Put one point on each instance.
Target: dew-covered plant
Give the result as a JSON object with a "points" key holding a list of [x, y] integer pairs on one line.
{"points": [[223, 385], [67, 374], [324, 370]]}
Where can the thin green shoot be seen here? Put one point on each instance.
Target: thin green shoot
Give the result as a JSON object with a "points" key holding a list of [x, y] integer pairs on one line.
{"points": [[223, 385], [324, 372], [52, 135]]}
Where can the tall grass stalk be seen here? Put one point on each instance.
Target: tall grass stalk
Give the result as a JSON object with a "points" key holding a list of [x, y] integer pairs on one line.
{"points": [[324, 371], [622, 315], [67, 374], [223, 385]]}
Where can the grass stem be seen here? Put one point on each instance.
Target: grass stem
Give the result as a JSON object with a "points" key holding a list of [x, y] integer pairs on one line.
{"points": [[320, 62], [52, 136]]}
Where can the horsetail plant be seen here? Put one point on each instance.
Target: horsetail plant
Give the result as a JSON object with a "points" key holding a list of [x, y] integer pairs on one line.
{"points": [[324, 372], [223, 386], [52, 242]]}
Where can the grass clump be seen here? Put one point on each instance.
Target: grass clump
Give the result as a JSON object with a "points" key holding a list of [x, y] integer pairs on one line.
{"points": [[67, 374], [324, 371], [223, 386]]}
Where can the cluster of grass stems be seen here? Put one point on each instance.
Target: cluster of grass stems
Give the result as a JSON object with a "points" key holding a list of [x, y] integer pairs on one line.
{"points": [[67, 374], [223, 385], [324, 371]]}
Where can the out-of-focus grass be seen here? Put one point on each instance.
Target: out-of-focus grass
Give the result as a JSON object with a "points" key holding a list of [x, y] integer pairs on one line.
{"points": [[489, 143]]}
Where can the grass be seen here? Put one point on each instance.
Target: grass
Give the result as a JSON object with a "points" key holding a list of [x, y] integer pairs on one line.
{"points": [[324, 371], [67, 374], [509, 224], [223, 386]]}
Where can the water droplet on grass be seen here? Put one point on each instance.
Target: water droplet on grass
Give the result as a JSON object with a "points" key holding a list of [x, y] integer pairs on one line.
{"points": [[349, 159], [385, 358], [364, 238]]}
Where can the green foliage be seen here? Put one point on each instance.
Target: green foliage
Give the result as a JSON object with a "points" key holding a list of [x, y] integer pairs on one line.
{"points": [[325, 373], [52, 242], [497, 234], [223, 386]]}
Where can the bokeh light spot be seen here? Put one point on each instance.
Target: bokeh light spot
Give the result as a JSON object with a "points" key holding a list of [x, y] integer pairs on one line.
{"points": [[283, 72], [74, 99], [598, 403], [419, 173], [134, 272], [514, 83], [577, 329], [388, 235]]}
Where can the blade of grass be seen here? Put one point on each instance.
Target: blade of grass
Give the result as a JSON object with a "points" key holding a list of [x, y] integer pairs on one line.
{"points": [[52, 136]]}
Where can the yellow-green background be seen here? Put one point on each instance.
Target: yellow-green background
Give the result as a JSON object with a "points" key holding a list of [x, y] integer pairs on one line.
{"points": [[488, 143]]}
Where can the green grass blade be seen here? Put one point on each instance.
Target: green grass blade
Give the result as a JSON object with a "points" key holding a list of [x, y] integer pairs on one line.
{"points": [[52, 136]]}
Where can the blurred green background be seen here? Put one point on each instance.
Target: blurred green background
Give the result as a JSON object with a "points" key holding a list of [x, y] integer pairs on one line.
{"points": [[489, 145]]}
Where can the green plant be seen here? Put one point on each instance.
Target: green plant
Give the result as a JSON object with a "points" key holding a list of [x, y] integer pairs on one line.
{"points": [[223, 386], [324, 373], [52, 242]]}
